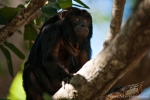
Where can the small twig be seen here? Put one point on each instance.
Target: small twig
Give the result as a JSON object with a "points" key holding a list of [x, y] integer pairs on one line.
{"points": [[117, 12]]}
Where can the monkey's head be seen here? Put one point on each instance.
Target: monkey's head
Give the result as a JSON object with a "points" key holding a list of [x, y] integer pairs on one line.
{"points": [[79, 22]]}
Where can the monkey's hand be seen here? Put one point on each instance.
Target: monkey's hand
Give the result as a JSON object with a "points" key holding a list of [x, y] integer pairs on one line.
{"points": [[66, 80]]}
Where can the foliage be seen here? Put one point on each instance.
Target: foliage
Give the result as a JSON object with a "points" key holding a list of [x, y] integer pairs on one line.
{"points": [[30, 33], [7, 13], [16, 86], [8, 58]]}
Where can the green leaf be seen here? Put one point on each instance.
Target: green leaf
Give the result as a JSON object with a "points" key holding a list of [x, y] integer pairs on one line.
{"points": [[3, 21], [54, 4], [37, 22], [8, 58], [44, 18], [65, 3], [49, 11], [16, 86], [21, 6], [81, 3], [19, 31], [46, 96], [30, 44], [15, 50], [9, 13], [30, 33]]}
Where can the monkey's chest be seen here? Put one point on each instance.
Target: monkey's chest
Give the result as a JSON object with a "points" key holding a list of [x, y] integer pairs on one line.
{"points": [[65, 59]]}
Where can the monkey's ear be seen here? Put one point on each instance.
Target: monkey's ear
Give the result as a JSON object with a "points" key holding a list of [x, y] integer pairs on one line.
{"points": [[62, 14]]}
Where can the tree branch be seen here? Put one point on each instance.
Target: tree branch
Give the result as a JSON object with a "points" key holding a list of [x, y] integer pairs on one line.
{"points": [[124, 93], [97, 76], [116, 19], [21, 19]]}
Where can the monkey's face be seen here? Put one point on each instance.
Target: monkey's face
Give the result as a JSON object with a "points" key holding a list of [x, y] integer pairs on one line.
{"points": [[81, 26]]}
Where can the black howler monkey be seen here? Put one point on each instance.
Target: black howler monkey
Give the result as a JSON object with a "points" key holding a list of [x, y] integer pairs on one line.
{"points": [[61, 49]]}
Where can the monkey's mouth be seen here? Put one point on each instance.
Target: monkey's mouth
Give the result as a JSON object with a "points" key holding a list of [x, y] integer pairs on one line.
{"points": [[82, 32]]}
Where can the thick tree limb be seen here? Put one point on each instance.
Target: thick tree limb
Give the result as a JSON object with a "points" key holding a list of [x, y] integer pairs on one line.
{"points": [[97, 76], [140, 72], [116, 19], [21, 19]]}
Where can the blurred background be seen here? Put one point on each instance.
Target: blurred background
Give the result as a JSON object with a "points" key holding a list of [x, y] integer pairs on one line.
{"points": [[11, 87]]}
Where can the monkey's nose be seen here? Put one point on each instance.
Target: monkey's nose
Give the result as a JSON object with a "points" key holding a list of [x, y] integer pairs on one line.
{"points": [[83, 25]]}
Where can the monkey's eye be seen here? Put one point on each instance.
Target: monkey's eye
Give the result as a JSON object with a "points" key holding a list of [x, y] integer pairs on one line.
{"points": [[85, 20], [77, 19]]}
